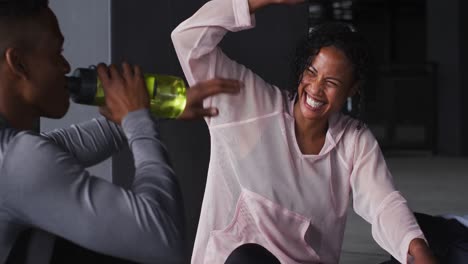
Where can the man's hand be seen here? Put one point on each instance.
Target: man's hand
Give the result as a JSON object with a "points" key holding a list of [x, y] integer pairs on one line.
{"points": [[421, 252], [255, 5], [202, 90], [125, 91]]}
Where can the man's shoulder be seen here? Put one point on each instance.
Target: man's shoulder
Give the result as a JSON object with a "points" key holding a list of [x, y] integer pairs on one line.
{"points": [[27, 148], [11, 136], [7, 136], [30, 158]]}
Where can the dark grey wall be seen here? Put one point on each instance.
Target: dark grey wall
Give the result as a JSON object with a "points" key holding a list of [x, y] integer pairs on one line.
{"points": [[445, 29], [85, 25], [463, 31], [141, 34]]}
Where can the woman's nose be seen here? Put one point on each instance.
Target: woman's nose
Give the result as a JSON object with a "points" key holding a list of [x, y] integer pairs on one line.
{"points": [[316, 87]]}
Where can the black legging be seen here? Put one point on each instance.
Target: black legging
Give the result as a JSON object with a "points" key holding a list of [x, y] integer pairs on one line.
{"points": [[251, 254]]}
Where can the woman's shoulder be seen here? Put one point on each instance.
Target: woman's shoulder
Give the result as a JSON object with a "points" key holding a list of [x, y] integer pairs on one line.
{"points": [[351, 133], [345, 127]]}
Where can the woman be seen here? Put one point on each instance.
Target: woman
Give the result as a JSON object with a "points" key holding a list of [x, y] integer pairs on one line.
{"points": [[283, 164]]}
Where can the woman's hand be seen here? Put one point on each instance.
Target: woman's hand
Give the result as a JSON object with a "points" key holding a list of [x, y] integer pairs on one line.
{"points": [[421, 252], [202, 90], [255, 5]]}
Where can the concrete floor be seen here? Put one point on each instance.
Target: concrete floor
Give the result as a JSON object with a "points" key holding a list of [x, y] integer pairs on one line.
{"points": [[432, 185]]}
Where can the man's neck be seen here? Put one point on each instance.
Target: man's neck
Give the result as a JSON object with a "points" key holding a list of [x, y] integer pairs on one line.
{"points": [[16, 114], [18, 122]]}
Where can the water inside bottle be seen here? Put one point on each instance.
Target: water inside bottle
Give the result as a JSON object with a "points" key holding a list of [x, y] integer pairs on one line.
{"points": [[167, 95]]}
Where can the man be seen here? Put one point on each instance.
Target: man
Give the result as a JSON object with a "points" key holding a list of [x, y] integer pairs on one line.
{"points": [[43, 181]]}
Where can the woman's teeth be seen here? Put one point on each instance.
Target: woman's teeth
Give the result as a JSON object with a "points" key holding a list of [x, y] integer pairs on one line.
{"points": [[313, 103]]}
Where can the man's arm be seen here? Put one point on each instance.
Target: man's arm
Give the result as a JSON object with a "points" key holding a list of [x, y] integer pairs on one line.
{"points": [[90, 142], [94, 141], [46, 188]]}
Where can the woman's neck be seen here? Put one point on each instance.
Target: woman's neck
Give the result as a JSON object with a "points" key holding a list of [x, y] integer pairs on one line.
{"points": [[310, 134]]}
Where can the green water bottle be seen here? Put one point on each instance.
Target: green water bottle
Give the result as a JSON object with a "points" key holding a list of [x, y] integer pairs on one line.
{"points": [[167, 93]]}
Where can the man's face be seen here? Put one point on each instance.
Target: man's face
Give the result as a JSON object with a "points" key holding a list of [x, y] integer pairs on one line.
{"points": [[46, 68]]}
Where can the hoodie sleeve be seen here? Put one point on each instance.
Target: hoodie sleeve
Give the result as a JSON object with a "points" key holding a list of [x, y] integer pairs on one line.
{"points": [[376, 200], [196, 43]]}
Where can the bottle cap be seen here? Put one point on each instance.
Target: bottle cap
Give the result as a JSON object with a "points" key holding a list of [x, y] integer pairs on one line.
{"points": [[83, 85]]}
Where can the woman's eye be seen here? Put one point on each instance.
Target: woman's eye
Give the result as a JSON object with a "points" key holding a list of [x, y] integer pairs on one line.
{"points": [[332, 84], [310, 74]]}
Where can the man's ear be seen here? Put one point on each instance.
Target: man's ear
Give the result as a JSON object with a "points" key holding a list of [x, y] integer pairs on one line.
{"points": [[15, 61]]}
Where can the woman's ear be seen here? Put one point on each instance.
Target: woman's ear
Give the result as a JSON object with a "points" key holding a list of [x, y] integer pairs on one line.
{"points": [[355, 88], [16, 62]]}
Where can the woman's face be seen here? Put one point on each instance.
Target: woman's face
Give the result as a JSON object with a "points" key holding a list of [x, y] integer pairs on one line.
{"points": [[325, 85]]}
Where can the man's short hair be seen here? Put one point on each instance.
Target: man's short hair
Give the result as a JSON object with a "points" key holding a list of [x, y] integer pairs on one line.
{"points": [[21, 8], [15, 20]]}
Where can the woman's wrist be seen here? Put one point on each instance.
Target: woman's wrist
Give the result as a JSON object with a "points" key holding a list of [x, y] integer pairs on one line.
{"points": [[418, 246], [421, 252]]}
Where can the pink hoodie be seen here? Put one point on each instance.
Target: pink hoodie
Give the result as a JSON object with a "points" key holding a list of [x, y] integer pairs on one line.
{"points": [[260, 187]]}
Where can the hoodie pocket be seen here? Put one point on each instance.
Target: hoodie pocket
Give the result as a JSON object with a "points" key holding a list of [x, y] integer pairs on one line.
{"points": [[260, 221]]}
